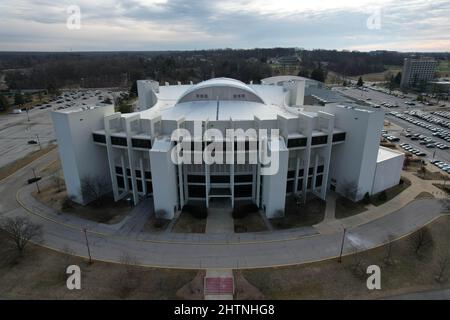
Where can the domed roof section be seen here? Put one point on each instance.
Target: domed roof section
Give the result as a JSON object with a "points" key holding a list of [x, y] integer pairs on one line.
{"points": [[223, 89]]}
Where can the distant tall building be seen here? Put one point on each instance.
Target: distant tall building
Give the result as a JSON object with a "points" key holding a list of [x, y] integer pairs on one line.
{"points": [[416, 70]]}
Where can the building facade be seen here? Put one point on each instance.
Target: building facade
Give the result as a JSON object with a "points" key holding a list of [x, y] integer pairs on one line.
{"points": [[314, 149], [417, 71]]}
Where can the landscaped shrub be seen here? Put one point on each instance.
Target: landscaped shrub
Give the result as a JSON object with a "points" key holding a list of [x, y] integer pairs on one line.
{"points": [[198, 211], [241, 211], [159, 223], [382, 196], [366, 199], [160, 214]]}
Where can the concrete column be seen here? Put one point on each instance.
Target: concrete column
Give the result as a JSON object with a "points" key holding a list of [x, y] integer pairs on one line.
{"points": [[144, 183], [297, 168], [207, 184], [274, 189], [130, 153], [327, 159], [181, 185], [110, 153], [232, 184], [163, 178], [316, 163]]}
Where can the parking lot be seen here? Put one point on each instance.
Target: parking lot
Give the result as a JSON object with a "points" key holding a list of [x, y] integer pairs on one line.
{"points": [[422, 130], [22, 133]]}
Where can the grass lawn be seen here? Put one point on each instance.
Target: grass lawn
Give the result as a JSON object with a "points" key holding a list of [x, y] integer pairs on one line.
{"points": [[40, 274], [20, 163], [424, 195], [443, 68], [347, 208], [430, 175], [103, 210], [391, 193], [252, 222], [380, 76], [302, 215], [187, 223], [406, 273]]}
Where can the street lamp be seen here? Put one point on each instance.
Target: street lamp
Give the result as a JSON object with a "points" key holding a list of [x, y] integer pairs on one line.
{"points": [[87, 245], [342, 245], [36, 180]]}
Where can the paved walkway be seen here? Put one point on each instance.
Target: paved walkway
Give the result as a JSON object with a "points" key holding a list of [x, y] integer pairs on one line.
{"points": [[418, 186], [220, 218]]}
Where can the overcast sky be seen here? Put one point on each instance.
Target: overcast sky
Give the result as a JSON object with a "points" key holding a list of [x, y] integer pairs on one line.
{"points": [[404, 25]]}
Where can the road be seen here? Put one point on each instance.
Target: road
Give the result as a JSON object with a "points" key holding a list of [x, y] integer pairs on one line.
{"points": [[201, 251]]}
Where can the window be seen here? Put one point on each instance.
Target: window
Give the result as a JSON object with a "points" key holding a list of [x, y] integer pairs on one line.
{"points": [[197, 191], [339, 137], [138, 173], [220, 179], [141, 143], [243, 191], [291, 174], [119, 141], [119, 170], [309, 182], [319, 181], [139, 186], [297, 143], [310, 171], [120, 182], [319, 140], [148, 175], [100, 138], [243, 178], [300, 185], [196, 178], [149, 187], [290, 187], [320, 169]]}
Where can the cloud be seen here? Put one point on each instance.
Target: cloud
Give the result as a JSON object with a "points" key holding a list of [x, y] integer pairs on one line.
{"points": [[196, 24]]}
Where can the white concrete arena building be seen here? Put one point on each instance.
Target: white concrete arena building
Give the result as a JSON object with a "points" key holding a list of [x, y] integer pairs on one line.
{"points": [[319, 148]]}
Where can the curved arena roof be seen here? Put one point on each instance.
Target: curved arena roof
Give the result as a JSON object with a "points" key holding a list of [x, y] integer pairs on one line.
{"points": [[220, 89]]}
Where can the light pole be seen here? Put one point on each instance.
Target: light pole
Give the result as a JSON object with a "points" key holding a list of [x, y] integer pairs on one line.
{"points": [[342, 246], [87, 245], [36, 181], [39, 142]]}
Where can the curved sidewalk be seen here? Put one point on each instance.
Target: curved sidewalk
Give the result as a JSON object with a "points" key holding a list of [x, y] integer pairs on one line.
{"points": [[202, 251], [270, 249]]}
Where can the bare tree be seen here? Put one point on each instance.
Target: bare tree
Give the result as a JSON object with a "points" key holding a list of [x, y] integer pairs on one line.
{"points": [[421, 240], [92, 188], [21, 231], [389, 246], [358, 262], [443, 265]]}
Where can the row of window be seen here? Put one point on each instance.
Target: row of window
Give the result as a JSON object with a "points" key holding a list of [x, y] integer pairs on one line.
{"points": [[148, 174], [291, 173], [219, 178], [121, 141], [290, 184], [121, 184], [318, 140], [244, 191]]}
